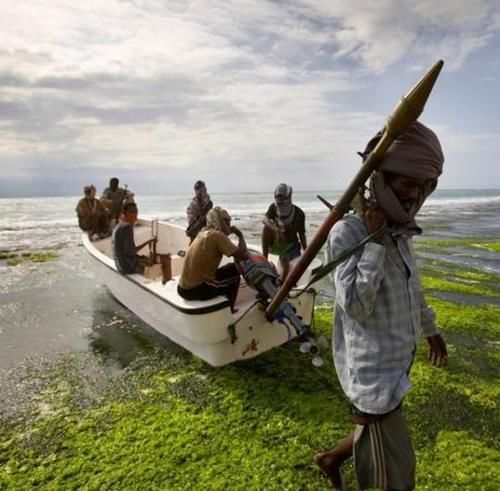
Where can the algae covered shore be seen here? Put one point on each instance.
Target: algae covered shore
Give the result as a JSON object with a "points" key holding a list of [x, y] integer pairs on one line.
{"points": [[139, 413]]}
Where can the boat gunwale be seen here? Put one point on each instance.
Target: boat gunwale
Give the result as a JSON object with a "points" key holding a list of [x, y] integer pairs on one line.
{"points": [[207, 309]]}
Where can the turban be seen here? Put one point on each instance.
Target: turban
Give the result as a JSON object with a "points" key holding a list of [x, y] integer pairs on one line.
{"points": [[201, 194], [198, 185], [284, 208], [416, 154], [217, 219]]}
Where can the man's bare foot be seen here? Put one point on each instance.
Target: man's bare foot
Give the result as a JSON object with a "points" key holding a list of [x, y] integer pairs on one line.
{"points": [[330, 468]]}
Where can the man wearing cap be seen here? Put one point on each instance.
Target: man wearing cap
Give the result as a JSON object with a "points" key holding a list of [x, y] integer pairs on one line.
{"points": [[92, 216], [284, 229], [201, 278], [380, 314], [197, 210]]}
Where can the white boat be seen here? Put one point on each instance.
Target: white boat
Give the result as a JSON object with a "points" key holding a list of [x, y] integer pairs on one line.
{"points": [[206, 328]]}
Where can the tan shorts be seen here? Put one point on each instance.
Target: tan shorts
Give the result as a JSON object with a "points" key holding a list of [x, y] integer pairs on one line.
{"points": [[383, 454]]}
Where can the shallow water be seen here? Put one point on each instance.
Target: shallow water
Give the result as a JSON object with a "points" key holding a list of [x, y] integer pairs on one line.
{"points": [[62, 306], [459, 256]]}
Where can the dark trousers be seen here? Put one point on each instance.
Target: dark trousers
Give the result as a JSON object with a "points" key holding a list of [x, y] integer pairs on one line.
{"points": [[226, 282]]}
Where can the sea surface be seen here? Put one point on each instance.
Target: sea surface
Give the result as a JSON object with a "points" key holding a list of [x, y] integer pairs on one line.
{"points": [[62, 306]]}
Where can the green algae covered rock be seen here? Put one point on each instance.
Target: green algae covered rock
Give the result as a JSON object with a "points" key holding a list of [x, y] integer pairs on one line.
{"points": [[168, 421], [14, 258]]}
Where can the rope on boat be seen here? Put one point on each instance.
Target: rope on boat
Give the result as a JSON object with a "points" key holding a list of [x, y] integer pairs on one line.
{"points": [[232, 327]]}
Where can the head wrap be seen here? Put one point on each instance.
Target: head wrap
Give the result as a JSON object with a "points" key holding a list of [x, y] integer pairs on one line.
{"points": [[285, 210], [198, 185], [201, 195], [200, 204], [218, 219], [87, 190], [416, 154]]}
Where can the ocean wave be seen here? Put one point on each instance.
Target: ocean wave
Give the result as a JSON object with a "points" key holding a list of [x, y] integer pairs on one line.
{"points": [[33, 225], [464, 200], [53, 220]]}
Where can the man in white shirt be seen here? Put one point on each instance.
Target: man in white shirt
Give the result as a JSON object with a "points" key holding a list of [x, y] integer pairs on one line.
{"points": [[381, 313]]}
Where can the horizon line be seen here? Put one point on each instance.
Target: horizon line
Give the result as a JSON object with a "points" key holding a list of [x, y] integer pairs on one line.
{"points": [[236, 192]]}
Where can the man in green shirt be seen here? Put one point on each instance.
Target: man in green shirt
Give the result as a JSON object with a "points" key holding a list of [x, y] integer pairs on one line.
{"points": [[284, 229]]}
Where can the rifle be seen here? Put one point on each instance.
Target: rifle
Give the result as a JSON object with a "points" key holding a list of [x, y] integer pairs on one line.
{"points": [[123, 194], [325, 202], [152, 245], [400, 120]]}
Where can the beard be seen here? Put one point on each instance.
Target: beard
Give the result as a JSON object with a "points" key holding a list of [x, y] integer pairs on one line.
{"points": [[406, 203]]}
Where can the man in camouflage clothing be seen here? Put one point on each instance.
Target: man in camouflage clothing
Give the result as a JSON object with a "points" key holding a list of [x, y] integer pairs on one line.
{"points": [[92, 216]]}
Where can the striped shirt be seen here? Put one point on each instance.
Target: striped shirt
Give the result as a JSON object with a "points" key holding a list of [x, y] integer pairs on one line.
{"points": [[380, 314]]}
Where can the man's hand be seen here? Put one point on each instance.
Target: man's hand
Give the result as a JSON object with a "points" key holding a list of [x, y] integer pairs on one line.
{"points": [[236, 231], [374, 216], [438, 354]]}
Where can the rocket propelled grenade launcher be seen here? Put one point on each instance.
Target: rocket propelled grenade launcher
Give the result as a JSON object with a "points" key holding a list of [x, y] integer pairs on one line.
{"points": [[403, 116]]}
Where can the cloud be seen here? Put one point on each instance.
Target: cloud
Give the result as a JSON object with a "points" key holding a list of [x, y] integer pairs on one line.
{"points": [[379, 34], [186, 85]]}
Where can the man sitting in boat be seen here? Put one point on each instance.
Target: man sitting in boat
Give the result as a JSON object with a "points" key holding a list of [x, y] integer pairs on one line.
{"points": [[92, 216], [201, 278], [284, 228], [114, 197], [125, 251], [197, 210]]}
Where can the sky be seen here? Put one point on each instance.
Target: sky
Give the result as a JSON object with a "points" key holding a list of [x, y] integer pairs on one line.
{"points": [[243, 94]]}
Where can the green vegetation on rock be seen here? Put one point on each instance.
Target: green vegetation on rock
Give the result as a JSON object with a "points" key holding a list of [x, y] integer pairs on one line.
{"points": [[40, 256], [7, 255], [491, 246], [480, 320], [464, 242], [13, 259], [430, 245], [169, 421]]}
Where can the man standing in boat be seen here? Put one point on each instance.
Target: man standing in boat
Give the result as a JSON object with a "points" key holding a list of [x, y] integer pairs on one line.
{"points": [[380, 314], [197, 210], [284, 229], [201, 278], [114, 197]]}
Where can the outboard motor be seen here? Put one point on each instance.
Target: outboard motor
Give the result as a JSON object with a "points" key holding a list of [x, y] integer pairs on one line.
{"points": [[262, 276]]}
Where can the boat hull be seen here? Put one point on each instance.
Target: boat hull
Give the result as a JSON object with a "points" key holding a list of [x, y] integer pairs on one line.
{"points": [[207, 329]]}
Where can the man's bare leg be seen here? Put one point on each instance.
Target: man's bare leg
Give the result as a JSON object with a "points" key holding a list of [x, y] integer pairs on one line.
{"points": [[166, 267], [330, 462]]}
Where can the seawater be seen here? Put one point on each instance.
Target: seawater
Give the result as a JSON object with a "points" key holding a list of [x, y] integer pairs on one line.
{"points": [[62, 306], [41, 223]]}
